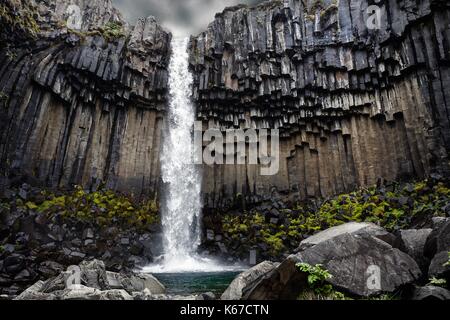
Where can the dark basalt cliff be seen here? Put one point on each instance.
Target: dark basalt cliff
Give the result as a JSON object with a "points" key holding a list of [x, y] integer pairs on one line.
{"points": [[82, 99], [353, 104]]}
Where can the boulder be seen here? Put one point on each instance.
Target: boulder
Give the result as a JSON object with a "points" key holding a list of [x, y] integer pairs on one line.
{"points": [[234, 290], [35, 293], [93, 274], [438, 240], [439, 266], [206, 296], [360, 264], [50, 269], [134, 283], [413, 242], [430, 293], [14, 263], [115, 294], [350, 228], [78, 292]]}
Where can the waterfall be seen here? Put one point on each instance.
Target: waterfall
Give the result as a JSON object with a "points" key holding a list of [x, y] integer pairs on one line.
{"points": [[181, 207], [181, 210]]}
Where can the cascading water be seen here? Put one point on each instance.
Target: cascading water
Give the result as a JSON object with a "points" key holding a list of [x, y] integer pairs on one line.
{"points": [[182, 200]]}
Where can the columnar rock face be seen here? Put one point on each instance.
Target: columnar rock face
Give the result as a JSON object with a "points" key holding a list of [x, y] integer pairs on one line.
{"points": [[82, 95], [355, 98]]}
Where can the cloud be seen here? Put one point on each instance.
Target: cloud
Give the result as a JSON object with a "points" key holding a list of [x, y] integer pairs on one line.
{"points": [[181, 17]]}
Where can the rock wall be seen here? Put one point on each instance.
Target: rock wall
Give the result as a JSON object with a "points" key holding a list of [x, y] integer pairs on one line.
{"points": [[82, 95], [353, 104]]}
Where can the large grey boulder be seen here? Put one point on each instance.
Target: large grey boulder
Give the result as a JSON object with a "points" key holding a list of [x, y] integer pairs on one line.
{"points": [[234, 290], [360, 264], [349, 228], [412, 242], [430, 293]]}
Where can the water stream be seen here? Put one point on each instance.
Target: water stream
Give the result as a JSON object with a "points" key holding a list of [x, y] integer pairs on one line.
{"points": [[181, 205]]}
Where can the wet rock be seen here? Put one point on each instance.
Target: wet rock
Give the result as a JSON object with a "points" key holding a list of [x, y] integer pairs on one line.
{"points": [[234, 290], [206, 296], [210, 235], [14, 263]]}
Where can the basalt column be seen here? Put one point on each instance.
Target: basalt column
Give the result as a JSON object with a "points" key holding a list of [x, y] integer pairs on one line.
{"points": [[355, 100], [82, 95]]}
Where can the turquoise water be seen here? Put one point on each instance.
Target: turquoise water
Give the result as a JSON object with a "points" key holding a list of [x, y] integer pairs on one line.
{"points": [[196, 282]]}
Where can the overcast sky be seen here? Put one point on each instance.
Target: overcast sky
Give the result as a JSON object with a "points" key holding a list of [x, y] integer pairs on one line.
{"points": [[182, 17]]}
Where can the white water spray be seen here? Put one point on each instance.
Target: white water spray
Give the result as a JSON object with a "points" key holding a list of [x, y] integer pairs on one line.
{"points": [[182, 200]]}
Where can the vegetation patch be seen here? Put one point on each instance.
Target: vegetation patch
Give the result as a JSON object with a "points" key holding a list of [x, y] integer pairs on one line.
{"points": [[318, 287], [102, 208], [395, 207], [15, 18]]}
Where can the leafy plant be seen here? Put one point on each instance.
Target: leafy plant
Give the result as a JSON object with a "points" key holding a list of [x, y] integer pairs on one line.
{"points": [[447, 264], [112, 30], [438, 282], [317, 277]]}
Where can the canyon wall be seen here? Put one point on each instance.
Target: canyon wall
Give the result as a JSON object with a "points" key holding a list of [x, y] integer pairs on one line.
{"points": [[82, 95], [355, 100]]}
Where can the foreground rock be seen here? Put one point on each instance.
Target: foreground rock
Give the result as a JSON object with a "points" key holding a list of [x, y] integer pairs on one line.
{"points": [[413, 243], [437, 249], [431, 293], [360, 265], [95, 283], [354, 228], [234, 291]]}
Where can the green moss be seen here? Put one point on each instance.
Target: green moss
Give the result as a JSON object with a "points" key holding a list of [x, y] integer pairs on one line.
{"points": [[103, 207], [19, 19], [392, 209], [438, 282], [112, 30]]}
